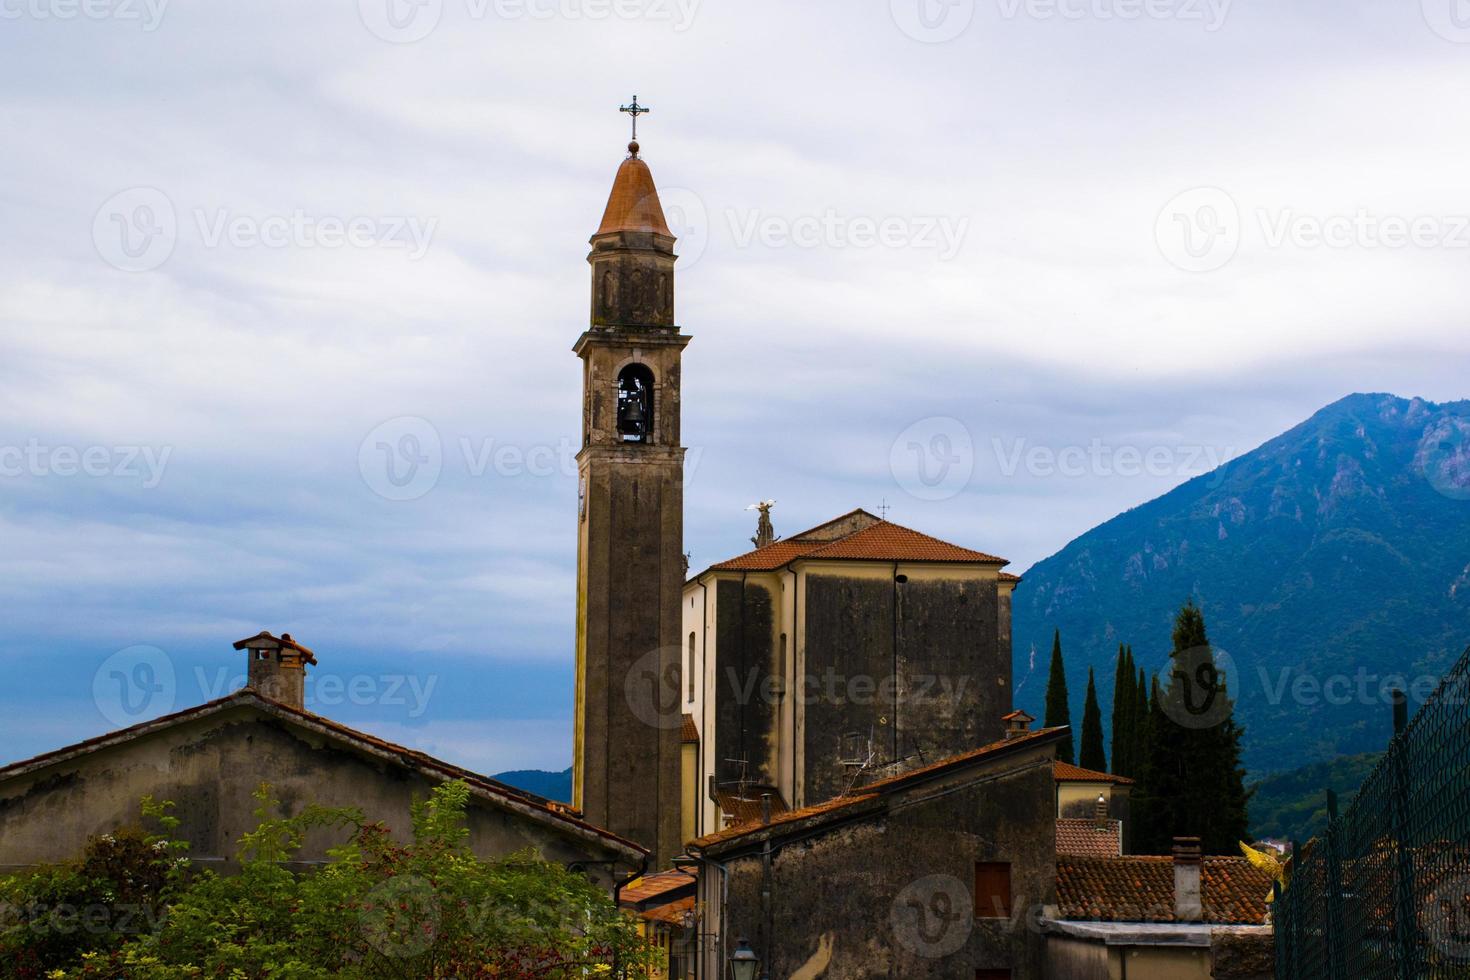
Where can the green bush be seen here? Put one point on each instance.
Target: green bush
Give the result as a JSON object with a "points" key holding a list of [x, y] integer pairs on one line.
{"points": [[377, 909]]}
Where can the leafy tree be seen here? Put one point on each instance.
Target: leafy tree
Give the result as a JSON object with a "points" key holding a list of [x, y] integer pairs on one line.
{"points": [[378, 909], [1058, 714], [1090, 749]]}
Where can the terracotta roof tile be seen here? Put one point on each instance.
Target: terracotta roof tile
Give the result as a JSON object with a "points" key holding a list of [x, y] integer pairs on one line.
{"points": [[875, 541], [1089, 838], [633, 204], [746, 808], [688, 733], [1137, 888], [672, 913], [653, 885], [1065, 772]]}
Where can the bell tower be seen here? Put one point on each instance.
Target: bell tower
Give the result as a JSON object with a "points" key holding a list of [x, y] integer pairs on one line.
{"points": [[630, 527]]}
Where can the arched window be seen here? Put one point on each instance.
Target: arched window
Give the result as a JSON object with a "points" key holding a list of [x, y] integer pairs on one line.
{"points": [[635, 403]]}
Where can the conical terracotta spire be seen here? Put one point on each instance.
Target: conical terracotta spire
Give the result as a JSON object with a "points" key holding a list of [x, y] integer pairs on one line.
{"points": [[633, 254], [633, 204]]}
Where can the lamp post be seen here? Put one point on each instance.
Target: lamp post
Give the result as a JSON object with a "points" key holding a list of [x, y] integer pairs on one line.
{"points": [[743, 962]]}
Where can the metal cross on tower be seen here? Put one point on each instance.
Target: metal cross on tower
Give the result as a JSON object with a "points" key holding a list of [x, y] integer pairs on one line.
{"points": [[635, 110]]}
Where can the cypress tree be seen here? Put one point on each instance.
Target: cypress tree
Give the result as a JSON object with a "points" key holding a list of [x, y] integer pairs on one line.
{"points": [[1057, 712], [1196, 786], [1123, 713], [1090, 751], [1142, 742]]}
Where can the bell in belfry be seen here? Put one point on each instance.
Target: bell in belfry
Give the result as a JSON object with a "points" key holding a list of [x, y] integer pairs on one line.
{"points": [[633, 405]]}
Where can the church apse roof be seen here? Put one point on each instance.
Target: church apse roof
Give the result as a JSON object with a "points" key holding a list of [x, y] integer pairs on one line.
{"points": [[857, 536]]}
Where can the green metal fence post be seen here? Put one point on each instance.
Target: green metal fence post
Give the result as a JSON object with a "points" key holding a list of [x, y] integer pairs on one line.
{"points": [[1405, 920], [1334, 926]]}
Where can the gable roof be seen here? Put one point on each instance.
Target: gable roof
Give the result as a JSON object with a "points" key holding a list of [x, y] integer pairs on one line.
{"points": [[1137, 888], [507, 797], [856, 536], [867, 797], [1065, 772], [1077, 835]]}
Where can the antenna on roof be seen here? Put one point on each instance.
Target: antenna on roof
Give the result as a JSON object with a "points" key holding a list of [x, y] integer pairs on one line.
{"points": [[883, 509]]}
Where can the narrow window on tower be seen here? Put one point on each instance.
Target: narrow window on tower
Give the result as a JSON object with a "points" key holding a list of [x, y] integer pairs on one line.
{"points": [[635, 403], [691, 667]]}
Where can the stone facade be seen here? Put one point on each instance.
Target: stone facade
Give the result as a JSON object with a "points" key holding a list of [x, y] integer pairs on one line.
{"points": [[812, 676], [894, 881]]}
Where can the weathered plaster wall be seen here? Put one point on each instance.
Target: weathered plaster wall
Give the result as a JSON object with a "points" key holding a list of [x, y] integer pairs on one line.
{"points": [[841, 889], [747, 680], [211, 768], [913, 665]]}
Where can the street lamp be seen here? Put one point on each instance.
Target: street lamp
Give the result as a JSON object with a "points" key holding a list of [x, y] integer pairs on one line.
{"points": [[743, 962]]}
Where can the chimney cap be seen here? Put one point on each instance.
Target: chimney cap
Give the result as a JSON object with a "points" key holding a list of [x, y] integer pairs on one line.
{"points": [[265, 641], [1187, 850]]}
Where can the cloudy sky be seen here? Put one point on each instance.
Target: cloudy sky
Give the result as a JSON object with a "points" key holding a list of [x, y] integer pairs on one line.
{"points": [[288, 291]]}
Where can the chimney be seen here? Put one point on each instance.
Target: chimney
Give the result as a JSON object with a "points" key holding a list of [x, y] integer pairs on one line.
{"points": [[1100, 812], [1017, 723], [1188, 892], [765, 809], [276, 668]]}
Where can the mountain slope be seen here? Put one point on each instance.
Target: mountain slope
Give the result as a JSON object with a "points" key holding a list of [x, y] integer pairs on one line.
{"points": [[547, 785], [1336, 554]]}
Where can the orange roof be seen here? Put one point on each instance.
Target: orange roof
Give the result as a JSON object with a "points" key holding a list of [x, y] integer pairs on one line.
{"points": [[652, 886], [746, 807], [1089, 837], [869, 539], [688, 733], [672, 913], [1138, 888], [882, 787], [633, 204], [1065, 772]]}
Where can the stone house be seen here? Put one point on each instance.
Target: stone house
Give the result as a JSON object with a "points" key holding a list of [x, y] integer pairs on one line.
{"points": [[209, 759], [937, 872]]}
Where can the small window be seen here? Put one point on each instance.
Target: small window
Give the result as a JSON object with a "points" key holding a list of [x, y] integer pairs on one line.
{"points": [[635, 403], [993, 890]]}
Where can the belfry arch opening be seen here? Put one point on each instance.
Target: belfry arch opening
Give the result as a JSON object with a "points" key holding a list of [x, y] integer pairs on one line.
{"points": [[635, 403]]}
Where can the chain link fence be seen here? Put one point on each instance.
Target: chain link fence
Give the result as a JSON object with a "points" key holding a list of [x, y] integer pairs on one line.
{"points": [[1385, 892]]}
